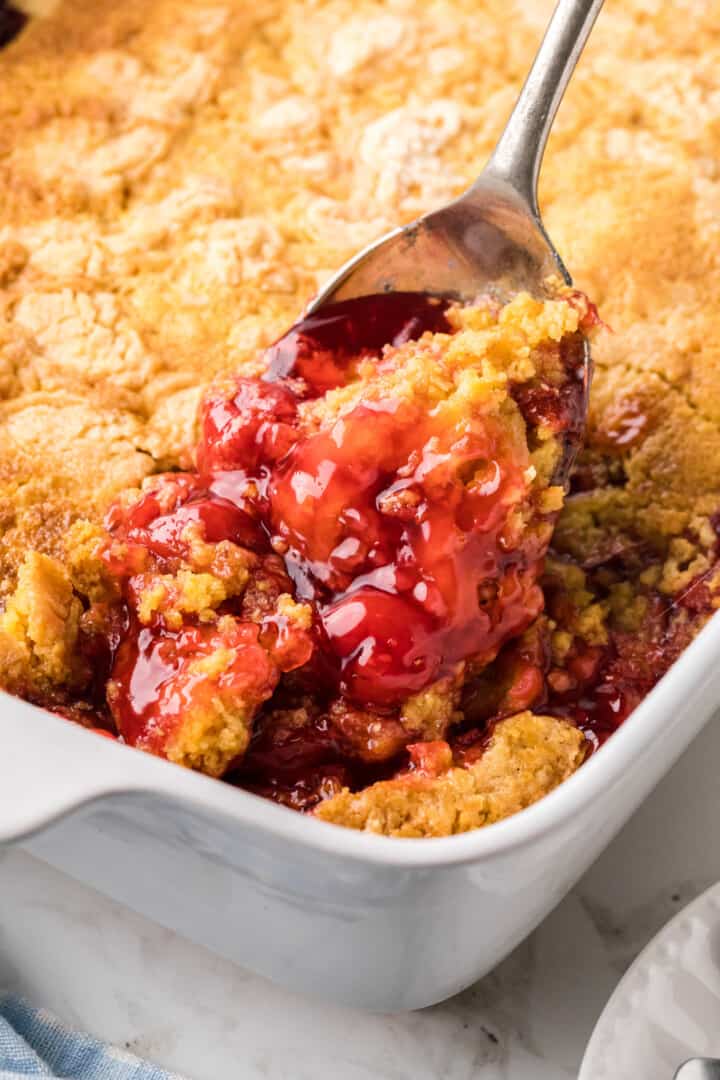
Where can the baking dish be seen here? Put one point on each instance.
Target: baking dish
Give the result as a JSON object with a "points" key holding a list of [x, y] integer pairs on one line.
{"points": [[369, 921]]}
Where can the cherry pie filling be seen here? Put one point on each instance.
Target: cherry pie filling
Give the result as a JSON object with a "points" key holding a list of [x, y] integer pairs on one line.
{"points": [[364, 592], [372, 567]]}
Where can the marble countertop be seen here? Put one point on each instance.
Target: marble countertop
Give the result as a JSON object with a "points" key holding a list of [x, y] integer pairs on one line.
{"points": [[108, 971]]}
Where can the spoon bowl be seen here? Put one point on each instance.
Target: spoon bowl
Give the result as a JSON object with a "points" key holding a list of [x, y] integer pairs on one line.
{"points": [[488, 239], [492, 236], [491, 239]]}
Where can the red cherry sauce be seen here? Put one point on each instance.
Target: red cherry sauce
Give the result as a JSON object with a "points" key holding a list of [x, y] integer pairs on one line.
{"points": [[247, 434], [156, 684], [397, 531], [317, 348], [380, 530]]}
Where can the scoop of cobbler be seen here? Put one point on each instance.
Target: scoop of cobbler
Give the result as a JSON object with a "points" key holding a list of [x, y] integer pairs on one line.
{"points": [[332, 588], [364, 529]]}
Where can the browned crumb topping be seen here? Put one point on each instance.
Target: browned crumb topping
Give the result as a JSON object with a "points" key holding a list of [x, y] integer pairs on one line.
{"points": [[527, 757], [39, 629]]}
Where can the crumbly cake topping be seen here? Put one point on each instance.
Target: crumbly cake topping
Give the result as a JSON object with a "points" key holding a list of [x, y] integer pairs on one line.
{"points": [[525, 758], [178, 178]]}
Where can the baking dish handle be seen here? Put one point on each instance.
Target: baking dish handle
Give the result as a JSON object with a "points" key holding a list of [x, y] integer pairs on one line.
{"points": [[50, 767]]}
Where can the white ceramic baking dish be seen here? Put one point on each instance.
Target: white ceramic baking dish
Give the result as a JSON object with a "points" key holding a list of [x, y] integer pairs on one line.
{"points": [[370, 921]]}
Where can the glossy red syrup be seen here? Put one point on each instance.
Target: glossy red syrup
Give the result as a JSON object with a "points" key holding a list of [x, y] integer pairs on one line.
{"points": [[317, 348], [599, 691], [378, 528], [150, 699], [395, 529], [157, 522]]}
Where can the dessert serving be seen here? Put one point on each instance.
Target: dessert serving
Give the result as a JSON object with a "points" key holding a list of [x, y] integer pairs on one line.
{"points": [[335, 565]]}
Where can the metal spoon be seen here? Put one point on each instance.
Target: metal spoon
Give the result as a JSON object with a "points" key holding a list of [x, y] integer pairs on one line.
{"points": [[699, 1069], [491, 237]]}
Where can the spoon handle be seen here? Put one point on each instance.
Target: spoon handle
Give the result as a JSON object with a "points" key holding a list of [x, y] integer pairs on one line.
{"points": [[518, 154]]}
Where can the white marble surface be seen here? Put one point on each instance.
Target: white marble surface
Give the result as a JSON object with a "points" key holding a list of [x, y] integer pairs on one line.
{"points": [[108, 971]]}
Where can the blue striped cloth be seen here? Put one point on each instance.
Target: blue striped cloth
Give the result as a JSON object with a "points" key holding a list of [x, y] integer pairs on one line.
{"points": [[34, 1043]]}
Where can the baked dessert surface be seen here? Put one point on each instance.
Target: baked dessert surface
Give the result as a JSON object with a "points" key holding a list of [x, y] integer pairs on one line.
{"points": [[526, 757], [178, 178]]}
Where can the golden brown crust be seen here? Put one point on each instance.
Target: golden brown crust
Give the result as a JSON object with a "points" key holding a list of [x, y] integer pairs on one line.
{"points": [[527, 757], [39, 629]]}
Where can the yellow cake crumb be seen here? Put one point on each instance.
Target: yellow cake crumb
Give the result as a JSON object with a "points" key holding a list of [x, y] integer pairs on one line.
{"points": [[174, 596], [39, 628], [526, 758]]}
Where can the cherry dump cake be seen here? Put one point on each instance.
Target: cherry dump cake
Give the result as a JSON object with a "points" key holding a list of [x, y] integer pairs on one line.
{"points": [[336, 565]]}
